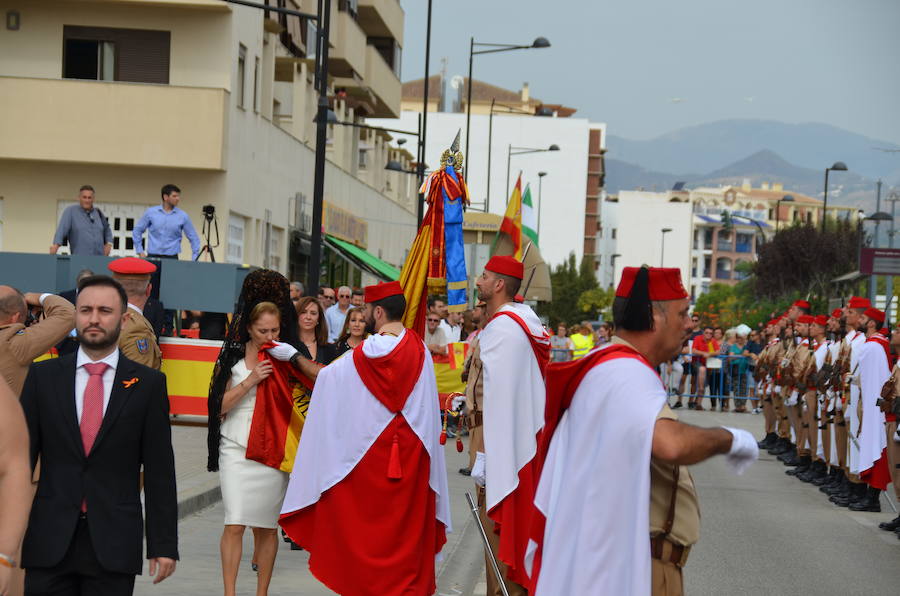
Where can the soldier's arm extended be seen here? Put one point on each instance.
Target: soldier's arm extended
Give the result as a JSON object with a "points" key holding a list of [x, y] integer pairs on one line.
{"points": [[684, 444], [59, 319]]}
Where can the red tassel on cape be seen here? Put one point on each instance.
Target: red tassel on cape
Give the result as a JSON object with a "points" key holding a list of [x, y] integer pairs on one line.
{"points": [[394, 472]]}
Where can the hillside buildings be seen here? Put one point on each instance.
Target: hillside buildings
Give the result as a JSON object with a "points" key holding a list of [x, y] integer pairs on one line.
{"points": [[128, 95], [712, 231]]}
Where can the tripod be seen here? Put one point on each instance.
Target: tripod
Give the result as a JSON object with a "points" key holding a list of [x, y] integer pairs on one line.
{"points": [[210, 224]]}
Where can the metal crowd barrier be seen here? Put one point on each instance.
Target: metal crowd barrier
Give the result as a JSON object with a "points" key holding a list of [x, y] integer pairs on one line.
{"points": [[727, 377]]}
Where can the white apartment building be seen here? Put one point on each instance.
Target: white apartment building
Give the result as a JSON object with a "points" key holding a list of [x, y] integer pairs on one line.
{"points": [[128, 95]]}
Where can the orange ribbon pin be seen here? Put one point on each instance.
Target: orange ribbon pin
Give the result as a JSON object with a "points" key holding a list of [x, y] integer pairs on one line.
{"points": [[130, 382]]}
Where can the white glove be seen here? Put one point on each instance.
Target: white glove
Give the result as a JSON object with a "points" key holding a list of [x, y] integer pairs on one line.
{"points": [[838, 404], [478, 469], [458, 401], [282, 351], [744, 450]]}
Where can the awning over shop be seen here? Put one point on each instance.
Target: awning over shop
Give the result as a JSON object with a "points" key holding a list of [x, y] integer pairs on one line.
{"points": [[363, 259]]}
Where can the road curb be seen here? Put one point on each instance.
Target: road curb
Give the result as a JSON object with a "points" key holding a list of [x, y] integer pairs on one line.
{"points": [[199, 498]]}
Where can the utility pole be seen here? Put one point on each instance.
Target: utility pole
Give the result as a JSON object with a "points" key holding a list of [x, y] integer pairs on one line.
{"points": [[873, 279]]}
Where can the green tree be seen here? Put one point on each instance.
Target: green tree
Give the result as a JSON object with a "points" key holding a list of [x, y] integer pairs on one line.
{"points": [[596, 302], [569, 281]]}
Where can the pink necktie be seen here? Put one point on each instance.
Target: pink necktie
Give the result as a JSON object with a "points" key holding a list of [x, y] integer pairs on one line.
{"points": [[92, 409]]}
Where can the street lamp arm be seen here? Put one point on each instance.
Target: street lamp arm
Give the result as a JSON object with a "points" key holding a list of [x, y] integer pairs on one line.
{"points": [[288, 11], [381, 128], [498, 47]]}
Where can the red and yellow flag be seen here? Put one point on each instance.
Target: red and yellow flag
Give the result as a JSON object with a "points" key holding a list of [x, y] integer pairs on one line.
{"points": [[282, 400], [512, 220]]}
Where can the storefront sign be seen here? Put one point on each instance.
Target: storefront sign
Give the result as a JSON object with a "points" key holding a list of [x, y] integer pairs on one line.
{"points": [[346, 226]]}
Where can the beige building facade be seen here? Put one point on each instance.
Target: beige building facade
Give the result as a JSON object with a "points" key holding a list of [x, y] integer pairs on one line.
{"points": [[129, 95]]}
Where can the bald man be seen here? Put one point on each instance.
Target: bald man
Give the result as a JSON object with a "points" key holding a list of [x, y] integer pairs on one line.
{"points": [[20, 345]]}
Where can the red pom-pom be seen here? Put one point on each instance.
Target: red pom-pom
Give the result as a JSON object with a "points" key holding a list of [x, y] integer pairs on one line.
{"points": [[443, 439], [459, 445]]}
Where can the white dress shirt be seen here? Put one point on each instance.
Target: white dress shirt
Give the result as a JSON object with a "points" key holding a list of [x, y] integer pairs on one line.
{"points": [[82, 376], [334, 316], [451, 332]]}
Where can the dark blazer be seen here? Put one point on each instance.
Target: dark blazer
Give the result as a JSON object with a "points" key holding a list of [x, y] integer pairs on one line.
{"points": [[135, 433]]}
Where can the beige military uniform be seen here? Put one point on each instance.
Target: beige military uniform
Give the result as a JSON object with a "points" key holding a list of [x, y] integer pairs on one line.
{"points": [[20, 345], [798, 364], [674, 520], [893, 447], [138, 341]]}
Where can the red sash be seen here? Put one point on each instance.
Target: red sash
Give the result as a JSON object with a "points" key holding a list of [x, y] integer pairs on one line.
{"points": [[563, 379], [391, 377]]}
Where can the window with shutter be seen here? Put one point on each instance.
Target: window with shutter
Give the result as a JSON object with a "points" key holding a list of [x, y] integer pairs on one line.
{"points": [[108, 54]]}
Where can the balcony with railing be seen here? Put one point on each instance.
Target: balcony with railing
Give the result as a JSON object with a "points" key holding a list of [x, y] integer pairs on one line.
{"points": [[105, 122]]}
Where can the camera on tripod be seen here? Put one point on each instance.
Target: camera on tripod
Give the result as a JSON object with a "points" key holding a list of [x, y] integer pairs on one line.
{"points": [[210, 226]]}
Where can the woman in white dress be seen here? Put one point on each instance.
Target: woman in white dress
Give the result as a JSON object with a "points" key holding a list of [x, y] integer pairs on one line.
{"points": [[252, 493]]}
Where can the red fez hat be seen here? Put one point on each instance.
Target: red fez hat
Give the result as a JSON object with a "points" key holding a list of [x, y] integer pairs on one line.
{"points": [[821, 320], [382, 291], [801, 304], [131, 266], [506, 265], [663, 283], [857, 302], [806, 319], [875, 314], [837, 313]]}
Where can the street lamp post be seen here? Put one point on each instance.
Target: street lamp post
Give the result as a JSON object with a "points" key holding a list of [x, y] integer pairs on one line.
{"points": [[838, 166], [492, 48], [877, 217], [510, 151], [784, 199], [893, 198], [540, 202], [506, 109], [662, 250]]}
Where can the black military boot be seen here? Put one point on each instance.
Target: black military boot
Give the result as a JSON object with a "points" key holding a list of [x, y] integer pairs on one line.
{"points": [[790, 458], [890, 526], [856, 492], [802, 465], [768, 441], [871, 501], [816, 470], [824, 478], [780, 446]]}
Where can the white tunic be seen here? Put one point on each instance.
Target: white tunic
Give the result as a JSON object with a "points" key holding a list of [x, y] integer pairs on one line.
{"points": [[874, 373], [595, 485]]}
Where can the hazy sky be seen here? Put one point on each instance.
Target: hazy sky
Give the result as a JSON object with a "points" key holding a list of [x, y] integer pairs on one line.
{"points": [[623, 61]]}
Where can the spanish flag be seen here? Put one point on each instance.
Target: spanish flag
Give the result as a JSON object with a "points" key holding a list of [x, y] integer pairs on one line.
{"points": [[512, 221], [282, 400]]}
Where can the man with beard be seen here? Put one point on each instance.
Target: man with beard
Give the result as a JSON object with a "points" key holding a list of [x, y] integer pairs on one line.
{"points": [[95, 419]]}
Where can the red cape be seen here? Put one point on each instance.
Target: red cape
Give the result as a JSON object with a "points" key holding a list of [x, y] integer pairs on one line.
{"points": [[375, 533]]}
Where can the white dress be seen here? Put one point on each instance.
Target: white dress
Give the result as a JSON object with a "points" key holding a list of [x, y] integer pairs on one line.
{"points": [[252, 493]]}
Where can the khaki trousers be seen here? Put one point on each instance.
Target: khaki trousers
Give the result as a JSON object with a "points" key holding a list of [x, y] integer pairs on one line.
{"points": [[893, 452], [666, 579], [826, 434], [840, 437], [781, 419], [768, 412], [493, 586], [810, 427]]}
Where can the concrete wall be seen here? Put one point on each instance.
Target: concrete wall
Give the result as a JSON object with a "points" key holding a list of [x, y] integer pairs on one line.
{"points": [[637, 219]]}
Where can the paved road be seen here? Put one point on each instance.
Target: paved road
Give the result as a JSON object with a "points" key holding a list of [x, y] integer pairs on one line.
{"points": [[763, 532]]}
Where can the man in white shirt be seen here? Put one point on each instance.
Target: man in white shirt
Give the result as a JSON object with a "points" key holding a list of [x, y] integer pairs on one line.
{"points": [[434, 335], [336, 313]]}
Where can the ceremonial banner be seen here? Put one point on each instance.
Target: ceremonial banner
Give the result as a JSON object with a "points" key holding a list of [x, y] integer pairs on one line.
{"points": [[512, 221], [282, 400], [436, 262]]}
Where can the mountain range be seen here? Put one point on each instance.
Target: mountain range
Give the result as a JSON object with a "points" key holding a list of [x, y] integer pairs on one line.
{"points": [[730, 151]]}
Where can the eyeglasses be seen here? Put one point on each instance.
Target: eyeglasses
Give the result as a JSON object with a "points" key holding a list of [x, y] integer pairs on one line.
{"points": [[343, 295], [433, 320]]}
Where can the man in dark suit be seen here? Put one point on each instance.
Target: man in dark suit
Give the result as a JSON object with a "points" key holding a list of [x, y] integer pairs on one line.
{"points": [[95, 418]]}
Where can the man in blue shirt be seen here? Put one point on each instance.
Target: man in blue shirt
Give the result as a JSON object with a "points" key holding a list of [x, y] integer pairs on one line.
{"points": [[85, 227], [164, 225]]}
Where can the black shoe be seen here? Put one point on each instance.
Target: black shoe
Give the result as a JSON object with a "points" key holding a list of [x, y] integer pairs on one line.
{"points": [[890, 526], [677, 405], [465, 471], [816, 471], [790, 459], [690, 405], [824, 478], [870, 501], [768, 441], [780, 446]]}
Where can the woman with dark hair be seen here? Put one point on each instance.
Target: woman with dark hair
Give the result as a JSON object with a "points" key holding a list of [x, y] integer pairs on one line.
{"points": [[313, 330], [353, 333]]}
